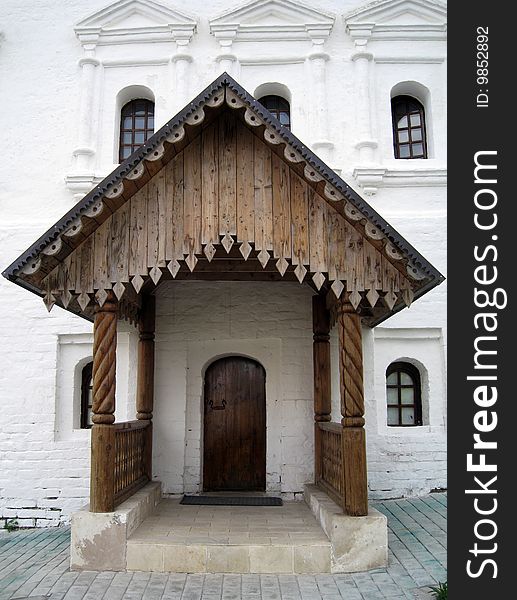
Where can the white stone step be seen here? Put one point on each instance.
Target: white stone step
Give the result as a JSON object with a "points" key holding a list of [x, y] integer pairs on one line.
{"points": [[229, 539]]}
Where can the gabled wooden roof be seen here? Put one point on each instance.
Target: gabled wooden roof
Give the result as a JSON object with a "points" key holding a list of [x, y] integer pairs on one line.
{"points": [[223, 176]]}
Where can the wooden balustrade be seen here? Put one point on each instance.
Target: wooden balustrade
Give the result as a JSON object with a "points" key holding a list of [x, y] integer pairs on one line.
{"points": [[132, 468], [331, 461]]}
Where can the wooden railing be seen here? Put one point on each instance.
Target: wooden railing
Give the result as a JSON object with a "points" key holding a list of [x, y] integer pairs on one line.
{"points": [[331, 460], [132, 469]]}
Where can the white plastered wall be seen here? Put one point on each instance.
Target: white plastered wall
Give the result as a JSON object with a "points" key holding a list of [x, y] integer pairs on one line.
{"points": [[199, 322]]}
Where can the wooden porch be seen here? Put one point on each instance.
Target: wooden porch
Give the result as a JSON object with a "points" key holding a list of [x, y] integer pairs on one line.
{"points": [[122, 452], [224, 192]]}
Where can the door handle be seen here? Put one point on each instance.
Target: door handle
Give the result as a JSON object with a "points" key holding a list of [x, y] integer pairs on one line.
{"points": [[217, 406]]}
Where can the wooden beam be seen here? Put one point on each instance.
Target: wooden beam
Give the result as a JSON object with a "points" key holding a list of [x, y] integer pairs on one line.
{"points": [[352, 410], [102, 480], [322, 378], [145, 368]]}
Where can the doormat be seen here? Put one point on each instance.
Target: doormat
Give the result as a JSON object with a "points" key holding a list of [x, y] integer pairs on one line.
{"points": [[232, 500]]}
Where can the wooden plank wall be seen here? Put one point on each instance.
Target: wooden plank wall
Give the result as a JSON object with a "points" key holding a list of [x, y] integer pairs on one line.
{"points": [[226, 186]]}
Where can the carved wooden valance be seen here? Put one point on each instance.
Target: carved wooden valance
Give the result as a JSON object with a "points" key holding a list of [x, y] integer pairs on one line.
{"points": [[222, 174]]}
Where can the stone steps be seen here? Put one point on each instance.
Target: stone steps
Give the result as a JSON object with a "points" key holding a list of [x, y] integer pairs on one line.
{"points": [[229, 539], [277, 558]]}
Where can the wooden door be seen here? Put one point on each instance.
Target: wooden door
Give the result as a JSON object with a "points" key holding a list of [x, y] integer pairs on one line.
{"points": [[234, 450]]}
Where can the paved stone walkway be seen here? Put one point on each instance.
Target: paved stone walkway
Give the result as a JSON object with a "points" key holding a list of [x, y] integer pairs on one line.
{"points": [[34, 564]]}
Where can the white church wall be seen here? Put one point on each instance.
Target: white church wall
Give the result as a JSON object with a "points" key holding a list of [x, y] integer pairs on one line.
{"points": [[62, 97]]}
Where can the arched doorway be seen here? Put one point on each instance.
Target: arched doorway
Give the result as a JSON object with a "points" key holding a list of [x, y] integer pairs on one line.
{"points": [[234, 449]]}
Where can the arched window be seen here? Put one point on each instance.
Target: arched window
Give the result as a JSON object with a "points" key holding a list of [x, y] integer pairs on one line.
{"points": [[86, 396], [136, 126], [403, 395], [409, 135], [279, 108]]}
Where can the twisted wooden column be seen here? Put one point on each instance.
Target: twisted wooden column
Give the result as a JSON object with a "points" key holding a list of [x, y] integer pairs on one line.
{"points": [[352, 411], [104, 361], [145, 374], [321, 368], [103, 431]]}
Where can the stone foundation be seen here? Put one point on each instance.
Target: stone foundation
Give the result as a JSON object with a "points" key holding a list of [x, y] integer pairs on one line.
{"points": [[358, 543], [99, 540]]}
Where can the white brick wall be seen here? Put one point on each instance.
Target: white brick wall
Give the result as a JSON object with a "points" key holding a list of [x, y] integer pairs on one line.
{"points": [[44, 474], [199, 322]]}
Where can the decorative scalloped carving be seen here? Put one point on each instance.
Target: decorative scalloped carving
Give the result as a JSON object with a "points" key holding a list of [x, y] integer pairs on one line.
{"points": [[136, 172], [272, 137], [95, 210], [196, 118], [156, 154], [332, 193], [252, 119], [311, 174], [33, 266], [352, 213], [292, 155], [176, 135], [115, 191], [215, 99], [415, 273], [233, 100], [372, 231], [74, 229], [53, 248], [392, 252]]}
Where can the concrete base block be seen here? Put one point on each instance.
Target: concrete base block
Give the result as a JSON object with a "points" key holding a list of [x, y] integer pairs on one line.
{"points": [[358, 543], [99, 539]]}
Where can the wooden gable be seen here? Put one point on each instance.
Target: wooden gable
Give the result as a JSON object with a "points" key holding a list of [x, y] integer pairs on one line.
{"points": [[225, 187]]}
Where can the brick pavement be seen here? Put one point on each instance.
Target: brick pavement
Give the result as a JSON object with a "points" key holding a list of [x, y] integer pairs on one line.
{"points": [[34, 564]]}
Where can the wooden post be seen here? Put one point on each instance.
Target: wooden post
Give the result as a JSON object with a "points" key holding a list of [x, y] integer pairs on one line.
{"points": [[321, 366], [352, 410], [103, 432], [145, 373]]}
